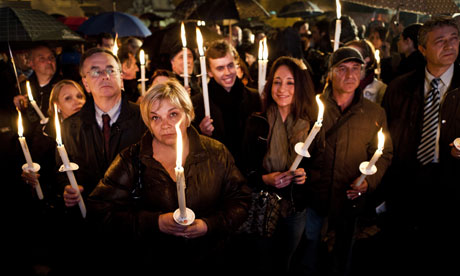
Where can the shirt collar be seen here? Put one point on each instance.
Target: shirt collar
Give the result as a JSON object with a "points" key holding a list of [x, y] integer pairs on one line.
{"points": [[114, 112], [446, 78]]}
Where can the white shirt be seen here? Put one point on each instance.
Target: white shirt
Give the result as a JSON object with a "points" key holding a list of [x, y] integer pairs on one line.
{"points": [[114, 112], [444, 84]]}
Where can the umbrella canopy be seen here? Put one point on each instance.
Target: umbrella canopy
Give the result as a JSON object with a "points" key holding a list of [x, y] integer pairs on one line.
{"points": [[215, 10], [119, 23], [429, 7], [29, 25], [185, 8], [300, 9]]}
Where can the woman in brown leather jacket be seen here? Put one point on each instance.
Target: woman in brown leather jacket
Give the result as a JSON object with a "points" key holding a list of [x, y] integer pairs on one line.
{"points": [[135, 201]]}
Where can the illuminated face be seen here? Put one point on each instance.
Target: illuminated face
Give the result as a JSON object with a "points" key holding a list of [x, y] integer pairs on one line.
{"points": [[177, 62], [102, 76], [43, 62], [441, 48], [163, 118], [107, 43], [223, 70], [130, 68], [376, 40], [283, 87], [70, 100], [346, 77]]}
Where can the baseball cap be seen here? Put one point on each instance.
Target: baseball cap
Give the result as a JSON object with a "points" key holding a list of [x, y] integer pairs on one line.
{"points": [[344, 54]]}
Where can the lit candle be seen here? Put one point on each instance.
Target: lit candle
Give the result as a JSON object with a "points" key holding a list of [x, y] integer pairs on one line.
{"points": [[67, 166], [377, 61], [338, 25], [115, 45], [263, 61], [369, 168], [43, 120], [31, 167], [180, 177], [142, 61], [184, 53], [302, 148], [204, 76]]}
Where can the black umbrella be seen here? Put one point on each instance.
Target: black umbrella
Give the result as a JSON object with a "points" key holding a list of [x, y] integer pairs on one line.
{"points": [[29, 25], [215, 10], [186, 8], [300, 9]]}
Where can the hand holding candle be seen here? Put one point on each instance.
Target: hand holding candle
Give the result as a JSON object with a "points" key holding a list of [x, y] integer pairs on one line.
{"points": [[369, 168], [30, 166], [204, 77], [184, 54], [302, 148], [183, 215], [338, 25], [43, 120], [67, 166]]}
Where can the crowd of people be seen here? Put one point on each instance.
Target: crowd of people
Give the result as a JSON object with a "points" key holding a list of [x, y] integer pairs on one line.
{"points": [[398, 219]]}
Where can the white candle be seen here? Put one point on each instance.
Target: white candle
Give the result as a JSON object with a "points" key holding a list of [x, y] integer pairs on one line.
{"points": [[204, 77], [184, 53], [27, 156], [67, 166], [311, 135], [377, 61], [180, 177], [142, 62], [338, 26], [379, 150], [368, 170], [263, 61], [33, 103]]}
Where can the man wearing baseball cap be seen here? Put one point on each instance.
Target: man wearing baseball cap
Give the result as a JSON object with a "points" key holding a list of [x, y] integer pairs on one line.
{"points": [[348, 137]]}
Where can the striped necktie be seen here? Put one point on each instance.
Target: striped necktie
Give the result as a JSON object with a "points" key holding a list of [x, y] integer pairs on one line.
{"points": [[426, 149]]}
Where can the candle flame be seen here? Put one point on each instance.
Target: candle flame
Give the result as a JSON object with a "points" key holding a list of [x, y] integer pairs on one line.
{"points": [[29, 91], [115, 45], [339, 9], [377, 56], [381, 139], [265, 49], [20, 127], [320, 109], [58, 126], [178, 146], [261, 49], [142, 57], [182, 34], [199, 41]]}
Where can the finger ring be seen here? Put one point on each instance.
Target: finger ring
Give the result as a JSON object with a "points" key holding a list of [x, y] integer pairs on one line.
{"points": [[359, 193]]}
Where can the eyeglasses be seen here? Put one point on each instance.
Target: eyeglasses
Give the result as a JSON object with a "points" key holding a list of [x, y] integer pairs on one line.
{"points": [[96, 73]]}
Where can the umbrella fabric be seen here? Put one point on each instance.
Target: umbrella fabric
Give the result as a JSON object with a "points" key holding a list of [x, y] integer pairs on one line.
{"points": [[171, 38], [119, 23], [429, 7], [73, 22], [215, 10], [185, 8], [300, 9], [27, 25]]}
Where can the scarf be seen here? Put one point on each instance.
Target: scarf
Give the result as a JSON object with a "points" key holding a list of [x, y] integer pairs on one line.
{"points": [[281, 140]]}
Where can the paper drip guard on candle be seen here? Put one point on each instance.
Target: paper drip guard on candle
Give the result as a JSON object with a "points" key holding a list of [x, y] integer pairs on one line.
{"points": [[189, 219]]}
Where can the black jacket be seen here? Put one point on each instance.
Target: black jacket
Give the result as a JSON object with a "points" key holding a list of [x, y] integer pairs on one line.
{"points": [[84, 141], [229, 110]]}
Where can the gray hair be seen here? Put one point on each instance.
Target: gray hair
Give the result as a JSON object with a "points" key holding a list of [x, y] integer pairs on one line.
{"points": [[432, 24]]}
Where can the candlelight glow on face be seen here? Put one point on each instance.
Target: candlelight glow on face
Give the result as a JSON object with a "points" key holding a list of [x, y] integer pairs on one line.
{"points": [[178, 146], [320, 110], [58, 126], [199, 41]]}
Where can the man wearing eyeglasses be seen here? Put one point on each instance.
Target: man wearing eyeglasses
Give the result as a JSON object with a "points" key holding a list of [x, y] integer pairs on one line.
{"points": [[348, 136], [106, 124]]}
